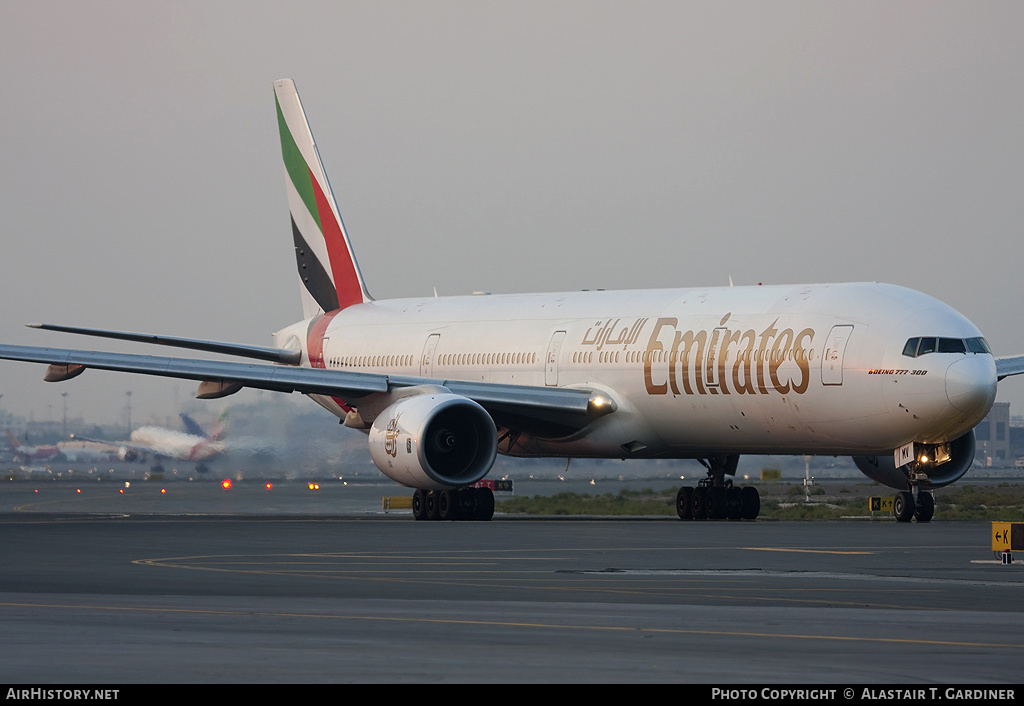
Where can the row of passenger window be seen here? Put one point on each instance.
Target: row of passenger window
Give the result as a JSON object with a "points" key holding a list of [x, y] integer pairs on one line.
{"points": [[371, 361], [454, 359], [932, 344], [457, 359]]}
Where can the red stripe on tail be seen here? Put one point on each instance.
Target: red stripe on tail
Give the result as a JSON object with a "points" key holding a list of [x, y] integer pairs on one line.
{"points": [[343, 267]]}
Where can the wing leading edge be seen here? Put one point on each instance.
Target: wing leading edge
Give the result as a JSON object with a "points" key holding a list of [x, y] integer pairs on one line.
{"points": [[567, 408], [1010, 365]]}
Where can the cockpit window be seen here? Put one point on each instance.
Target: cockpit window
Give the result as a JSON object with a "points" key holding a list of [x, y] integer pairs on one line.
{"points": [[952, 345], [978, 345], [929, 344]]}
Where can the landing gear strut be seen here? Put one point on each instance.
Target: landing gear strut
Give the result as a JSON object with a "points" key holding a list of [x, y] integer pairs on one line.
{"points": [[715, 497], [455, 504]]}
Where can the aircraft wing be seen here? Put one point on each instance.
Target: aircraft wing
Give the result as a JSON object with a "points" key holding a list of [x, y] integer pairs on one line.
{"points": [[1010, 365], [510, 405]]}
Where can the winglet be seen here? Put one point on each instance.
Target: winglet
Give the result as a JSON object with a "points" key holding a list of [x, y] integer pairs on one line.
{"points": [[327, 265]]}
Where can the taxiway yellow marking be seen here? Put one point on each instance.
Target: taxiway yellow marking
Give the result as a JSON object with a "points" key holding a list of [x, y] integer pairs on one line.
{"points": [[518, 624], [398, 569], [802, 551]]}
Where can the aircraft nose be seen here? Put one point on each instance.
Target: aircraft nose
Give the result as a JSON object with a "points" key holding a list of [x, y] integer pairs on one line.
{"points": [[971, 383]]}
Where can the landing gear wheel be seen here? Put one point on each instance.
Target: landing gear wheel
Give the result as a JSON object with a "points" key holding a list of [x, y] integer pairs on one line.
{"points": [[684, 498], [449, 504], [714, 503], [903, 506], [476, 504], [419, 505], [433, 512], [750, 502], [484, 504], [734, 504], [925, 509], [698, 505]]}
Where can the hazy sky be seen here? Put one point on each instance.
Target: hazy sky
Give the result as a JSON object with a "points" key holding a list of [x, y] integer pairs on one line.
{"points": [[500, 146]]}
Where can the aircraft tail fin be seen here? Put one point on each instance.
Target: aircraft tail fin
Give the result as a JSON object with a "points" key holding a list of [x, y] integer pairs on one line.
{"points": [[192, 426], [327, 265], [217, 432]]}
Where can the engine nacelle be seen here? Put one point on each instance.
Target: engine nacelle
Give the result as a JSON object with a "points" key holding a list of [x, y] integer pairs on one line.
{"points": [[434, 441], [955, 458]]}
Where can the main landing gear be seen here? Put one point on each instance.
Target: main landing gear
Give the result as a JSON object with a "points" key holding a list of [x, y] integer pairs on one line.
{"points": [[455, 504], [913, 504], [715, 497]]}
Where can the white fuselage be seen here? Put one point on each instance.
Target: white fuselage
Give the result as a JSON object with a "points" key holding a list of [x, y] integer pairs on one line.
{"points": [[175, 444], [816, 369]]}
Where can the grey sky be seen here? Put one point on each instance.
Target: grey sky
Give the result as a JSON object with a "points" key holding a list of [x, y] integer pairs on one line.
{"points": [[497, 146]]}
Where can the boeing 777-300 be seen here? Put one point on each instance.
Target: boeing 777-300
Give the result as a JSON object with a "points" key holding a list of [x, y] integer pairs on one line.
{"points": [[440, 385]]}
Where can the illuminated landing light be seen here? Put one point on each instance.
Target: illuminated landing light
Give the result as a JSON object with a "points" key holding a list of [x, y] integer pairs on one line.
{"points": [[163, 490], [269, 485], [924, 458], [121, 491], [600, 405], [314, 486], [226, 484], [78, 490]]}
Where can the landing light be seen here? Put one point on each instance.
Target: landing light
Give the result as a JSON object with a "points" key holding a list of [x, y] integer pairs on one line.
{"points": [[599, 405], [269, 485], [226, 484]]}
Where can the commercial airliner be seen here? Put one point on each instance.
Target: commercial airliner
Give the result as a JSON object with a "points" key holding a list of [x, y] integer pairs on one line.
{"points": [[24, 452], [194, 444], [440, 385]]}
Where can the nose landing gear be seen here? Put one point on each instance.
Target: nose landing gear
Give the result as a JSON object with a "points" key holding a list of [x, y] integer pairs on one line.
{"points": [[913, 504]]}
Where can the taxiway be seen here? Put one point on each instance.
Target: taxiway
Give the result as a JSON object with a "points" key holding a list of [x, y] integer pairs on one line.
{"points": [[191, 586]]}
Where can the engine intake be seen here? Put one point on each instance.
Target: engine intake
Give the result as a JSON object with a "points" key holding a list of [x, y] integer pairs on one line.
{"points": [[434, 441], [958, 455]]}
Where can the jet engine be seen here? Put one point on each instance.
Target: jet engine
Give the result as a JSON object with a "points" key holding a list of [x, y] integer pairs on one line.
{"points": [[941, 463], [434, 441]]}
